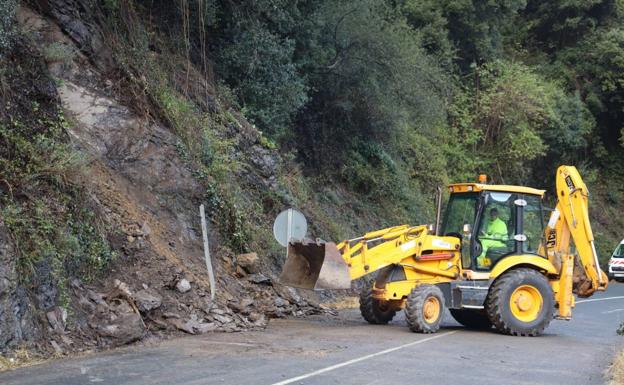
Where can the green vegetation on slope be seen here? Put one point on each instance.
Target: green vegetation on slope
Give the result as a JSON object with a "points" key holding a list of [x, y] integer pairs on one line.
{"points": [[42, 204]]}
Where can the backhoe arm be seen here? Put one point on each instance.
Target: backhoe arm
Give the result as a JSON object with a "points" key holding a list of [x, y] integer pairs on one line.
{"points": [[378, 249], [570, 220]]}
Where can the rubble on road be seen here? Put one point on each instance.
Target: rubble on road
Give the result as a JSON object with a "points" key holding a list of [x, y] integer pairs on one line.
{"points": [[126, 312]]}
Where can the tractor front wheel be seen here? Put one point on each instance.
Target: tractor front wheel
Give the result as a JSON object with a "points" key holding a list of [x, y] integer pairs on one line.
{"points": [[521, 303], [424, 309], [373, 310]]}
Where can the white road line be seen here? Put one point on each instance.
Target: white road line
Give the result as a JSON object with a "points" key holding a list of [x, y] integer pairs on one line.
{"points": [[360, 359], [600, 299], [612, 311]]}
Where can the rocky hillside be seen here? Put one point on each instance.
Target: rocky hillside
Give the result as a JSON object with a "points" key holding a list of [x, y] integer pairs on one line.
{"points": [[100, 240]]}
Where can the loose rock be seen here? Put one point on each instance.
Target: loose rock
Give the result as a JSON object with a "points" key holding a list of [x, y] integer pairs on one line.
{"points": [[55, 319], [56, 347], [147, 300], [223, 319], [183, 285], [217, 311], [181, 325], [249, 262], [121, 325], [281, 302], [193, 325], [260, 279]]}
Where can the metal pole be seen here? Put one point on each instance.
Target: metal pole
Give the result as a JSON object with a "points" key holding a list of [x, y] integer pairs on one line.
{"points": [[288, 230], [438, 210], [211, 277]]}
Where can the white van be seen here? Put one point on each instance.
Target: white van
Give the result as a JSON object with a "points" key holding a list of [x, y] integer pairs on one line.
{"points": [[616, 263]]}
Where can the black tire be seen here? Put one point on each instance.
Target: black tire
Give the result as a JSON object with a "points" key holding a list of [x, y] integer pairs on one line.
{"points": [[472, 319], [415, 309], [499, 309], [373, 310]]}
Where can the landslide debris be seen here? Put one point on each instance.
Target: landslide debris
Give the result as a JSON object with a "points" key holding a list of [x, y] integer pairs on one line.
{"points": [[141, 190]]}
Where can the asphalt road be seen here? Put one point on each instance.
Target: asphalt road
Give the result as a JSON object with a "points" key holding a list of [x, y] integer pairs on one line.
{"points": [[346, 350]]}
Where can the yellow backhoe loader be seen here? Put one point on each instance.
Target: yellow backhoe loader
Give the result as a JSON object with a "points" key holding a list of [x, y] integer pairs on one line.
{"points": [[494, 260]]}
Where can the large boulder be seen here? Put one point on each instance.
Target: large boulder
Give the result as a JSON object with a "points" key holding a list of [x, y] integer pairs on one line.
{"points": [[117, 322]]}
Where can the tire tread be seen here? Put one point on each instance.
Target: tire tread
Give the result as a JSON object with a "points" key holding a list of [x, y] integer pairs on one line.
{"points": [[496, 300], [370, 311], [414, 309]]}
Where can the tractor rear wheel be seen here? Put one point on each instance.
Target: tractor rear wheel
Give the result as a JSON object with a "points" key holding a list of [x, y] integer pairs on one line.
{"points": [[521, 303], [424, 309], [373, 310], [472, 319]]}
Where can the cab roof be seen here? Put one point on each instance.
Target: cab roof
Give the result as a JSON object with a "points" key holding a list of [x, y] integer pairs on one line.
{"points": [[476, 187]]}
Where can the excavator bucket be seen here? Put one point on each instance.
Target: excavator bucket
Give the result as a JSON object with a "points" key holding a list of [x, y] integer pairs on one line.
{"points": [[312, 265]]}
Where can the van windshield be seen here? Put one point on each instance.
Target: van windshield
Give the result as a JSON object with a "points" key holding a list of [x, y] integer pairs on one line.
{"points": [[619, 251]]}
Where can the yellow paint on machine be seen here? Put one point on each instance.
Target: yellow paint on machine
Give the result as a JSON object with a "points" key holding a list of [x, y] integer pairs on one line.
{"points": [[421, 257]]}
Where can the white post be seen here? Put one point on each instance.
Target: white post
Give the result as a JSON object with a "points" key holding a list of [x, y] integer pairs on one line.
{"points": [[288, 230], [211, 277]]}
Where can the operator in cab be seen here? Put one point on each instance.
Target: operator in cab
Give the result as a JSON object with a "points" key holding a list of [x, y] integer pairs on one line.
{"points": [[494, 235]]}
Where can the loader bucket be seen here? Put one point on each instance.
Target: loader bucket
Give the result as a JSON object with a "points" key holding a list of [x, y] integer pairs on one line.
{"points": [[317, 266]]}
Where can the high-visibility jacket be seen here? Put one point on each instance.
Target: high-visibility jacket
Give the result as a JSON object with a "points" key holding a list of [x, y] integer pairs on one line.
{"points": [[496, 228]]}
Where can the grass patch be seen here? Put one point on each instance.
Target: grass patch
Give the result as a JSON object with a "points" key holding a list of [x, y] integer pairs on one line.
{"points": [[58, 52], [18, 358]]}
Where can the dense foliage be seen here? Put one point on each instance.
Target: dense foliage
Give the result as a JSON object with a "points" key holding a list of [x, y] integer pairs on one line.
{"points": [[497, 85], [392, 98]]}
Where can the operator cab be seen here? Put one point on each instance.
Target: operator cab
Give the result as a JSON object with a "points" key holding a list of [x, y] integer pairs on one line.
{"points": [[493, 222]]}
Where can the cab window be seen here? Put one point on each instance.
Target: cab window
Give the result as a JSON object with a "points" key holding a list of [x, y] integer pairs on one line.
{"points": [[533, 225], [496, 229], [461, 210]]}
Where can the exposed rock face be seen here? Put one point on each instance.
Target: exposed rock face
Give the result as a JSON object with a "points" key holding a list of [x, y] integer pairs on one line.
{"points": [[16, 317], [8, 319], [75, 17]]}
